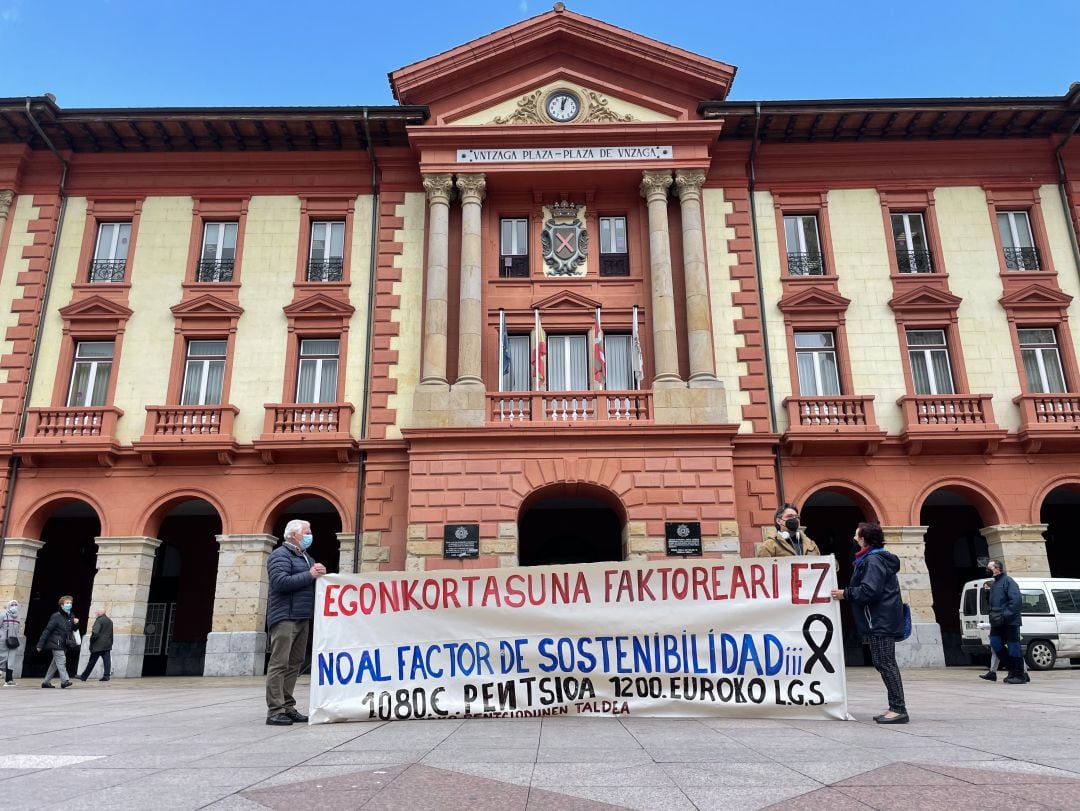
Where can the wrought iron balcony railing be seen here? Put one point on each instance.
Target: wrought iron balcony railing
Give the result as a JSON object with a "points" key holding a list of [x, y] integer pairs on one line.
{"points": [[107, 270], [215, 270], [914, 261], [325, 270], [1022, 258], [805, 264]]}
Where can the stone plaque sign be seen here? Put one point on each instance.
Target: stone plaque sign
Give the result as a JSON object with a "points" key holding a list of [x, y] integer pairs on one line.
{"points": [[461, 541], [683, 538]]}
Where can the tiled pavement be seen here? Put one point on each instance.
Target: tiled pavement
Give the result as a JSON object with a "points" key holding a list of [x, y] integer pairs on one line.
{"points": [[201, 743]]}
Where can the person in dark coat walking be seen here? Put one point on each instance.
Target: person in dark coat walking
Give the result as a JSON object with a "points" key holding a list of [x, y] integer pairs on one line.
{"points": [[290, 608], [101, 642], [878, 611], [1005, 619], [58, 636]]}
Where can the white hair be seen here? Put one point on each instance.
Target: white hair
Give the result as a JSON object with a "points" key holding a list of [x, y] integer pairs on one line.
{"points": [[293, 528]]}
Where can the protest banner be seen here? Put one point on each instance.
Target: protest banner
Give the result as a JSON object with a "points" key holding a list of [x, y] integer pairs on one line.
{"points": [[707, 637]]}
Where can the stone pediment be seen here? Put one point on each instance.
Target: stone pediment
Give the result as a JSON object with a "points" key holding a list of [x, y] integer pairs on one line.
{"points": [[565, 301], [95, 308], [207, 306], [814, 300], [929, 298], [318, 305], [1036, 297]]}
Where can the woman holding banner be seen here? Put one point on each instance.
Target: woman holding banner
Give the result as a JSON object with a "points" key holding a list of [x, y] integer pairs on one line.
{"points": [[874, 594]]}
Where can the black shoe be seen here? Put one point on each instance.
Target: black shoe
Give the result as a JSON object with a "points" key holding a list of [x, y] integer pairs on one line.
{"points": [[1017, 680], [296, 717], [49, 686], [901, 718], [279, 720], [83, 677], [989, 675], [104, 678], [1027, 678], [64, 684]]}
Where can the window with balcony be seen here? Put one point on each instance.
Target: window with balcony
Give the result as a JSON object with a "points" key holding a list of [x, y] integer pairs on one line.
{"points": [[90, 374], [1017, 241], [513, 248], [619, 362], [1042, 361], [931, 370], [815, 357], [614, 258], [218, 257], [317, 376], [111, 252], [567, 362], [803, 245], [326, 260], [911, 245], [519, 378], [204, 373]]}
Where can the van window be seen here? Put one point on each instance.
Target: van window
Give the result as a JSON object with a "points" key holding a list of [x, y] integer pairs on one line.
{"points": [[1068, 600], [969, 602], [984, 600], [1033, 601]]}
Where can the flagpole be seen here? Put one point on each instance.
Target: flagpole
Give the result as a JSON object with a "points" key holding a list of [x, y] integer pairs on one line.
{"points": [[634, 351], [502, 348], [536, 350]]}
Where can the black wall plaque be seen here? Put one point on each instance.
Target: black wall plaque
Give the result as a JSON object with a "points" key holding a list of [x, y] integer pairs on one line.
{"points": [[683, 538], [461, 541]]}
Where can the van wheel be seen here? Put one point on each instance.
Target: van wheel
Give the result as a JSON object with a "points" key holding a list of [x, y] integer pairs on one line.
{"points": [[1041, 655]]}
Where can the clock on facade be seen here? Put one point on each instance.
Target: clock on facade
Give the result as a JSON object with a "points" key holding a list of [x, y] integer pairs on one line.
{"points": [[562, 105]]}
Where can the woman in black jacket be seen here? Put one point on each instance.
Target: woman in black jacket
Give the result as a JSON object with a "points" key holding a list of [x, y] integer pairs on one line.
{"points": [[876, 607], [58, 636]]}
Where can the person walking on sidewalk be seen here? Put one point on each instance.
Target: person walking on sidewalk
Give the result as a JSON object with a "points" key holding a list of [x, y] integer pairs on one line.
{"points": [[874, 594], [58, 636], [9, 640], [290, 608], [1005, 622], [101, 642]]}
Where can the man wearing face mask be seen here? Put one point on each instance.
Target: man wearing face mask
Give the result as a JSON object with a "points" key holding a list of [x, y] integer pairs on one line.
{"points": [[58, 636], [788, 539], [1005, 622], [290, 608]]}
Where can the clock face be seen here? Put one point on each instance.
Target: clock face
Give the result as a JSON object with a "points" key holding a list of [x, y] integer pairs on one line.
{"points": [[563, 106]]}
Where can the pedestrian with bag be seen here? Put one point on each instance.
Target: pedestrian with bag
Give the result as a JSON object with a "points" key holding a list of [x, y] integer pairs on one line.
{"points": [[9, 640], [101, 642], [878, 611], [58, 637], [1005, 622]]}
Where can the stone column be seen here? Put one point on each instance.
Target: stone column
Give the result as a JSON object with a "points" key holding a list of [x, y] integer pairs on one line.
{"points": [[346, 552], [438, 188], [470, 316], [236, 645], [654, 188], [688, 183], [122, 586], [924, 647], [1021, 547], [16, 578]]}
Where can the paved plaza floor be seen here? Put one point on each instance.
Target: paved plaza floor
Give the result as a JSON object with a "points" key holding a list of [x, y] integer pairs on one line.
{"points": [[201, 743]]}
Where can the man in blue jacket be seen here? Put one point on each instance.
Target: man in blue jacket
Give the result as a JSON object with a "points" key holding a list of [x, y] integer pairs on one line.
{"points": [[289, 611], [1005, 620]]}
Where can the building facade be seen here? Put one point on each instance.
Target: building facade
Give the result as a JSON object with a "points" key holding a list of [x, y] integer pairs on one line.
{"points": [[563, 291]]}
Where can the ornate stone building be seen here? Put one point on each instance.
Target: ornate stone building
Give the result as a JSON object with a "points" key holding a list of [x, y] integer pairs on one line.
{"points": [[563, 291]]}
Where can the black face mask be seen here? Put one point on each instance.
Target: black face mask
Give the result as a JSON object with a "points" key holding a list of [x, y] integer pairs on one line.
{"points": [[792, 524]]}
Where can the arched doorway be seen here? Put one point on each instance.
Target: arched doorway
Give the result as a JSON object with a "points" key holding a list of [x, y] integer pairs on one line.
{"points": [[568, 523], [1060, 511], [831, 517], [66, 564], [954, 548], [180, 608]]}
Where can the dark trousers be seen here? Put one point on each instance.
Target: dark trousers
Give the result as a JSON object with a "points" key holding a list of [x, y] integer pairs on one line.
{"points": [[1005, 642], [883, 655], [105, 656], [288, 645]]}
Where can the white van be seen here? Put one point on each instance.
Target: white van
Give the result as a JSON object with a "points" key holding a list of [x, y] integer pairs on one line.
{"points": [[1050, 611]]}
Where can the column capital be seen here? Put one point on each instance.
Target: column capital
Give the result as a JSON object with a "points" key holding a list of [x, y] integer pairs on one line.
{"points": [[655, 184], [128, 544], [26, 547], [438, 188], [248, 543], [472, 187], [6, 196], [688, 183], [904, 534]]}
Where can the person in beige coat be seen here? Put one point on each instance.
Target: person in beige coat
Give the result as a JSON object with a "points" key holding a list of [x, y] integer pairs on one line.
{"points": [[789, 539]]}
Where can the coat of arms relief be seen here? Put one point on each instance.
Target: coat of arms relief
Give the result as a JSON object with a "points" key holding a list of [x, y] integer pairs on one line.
{"points": [[564, 240]]}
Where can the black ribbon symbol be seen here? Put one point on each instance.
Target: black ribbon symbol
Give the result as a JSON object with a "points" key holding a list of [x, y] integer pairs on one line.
{"points": [[818, 649]]}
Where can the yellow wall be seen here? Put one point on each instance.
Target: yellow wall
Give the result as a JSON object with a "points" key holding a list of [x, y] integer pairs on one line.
{"points": [[65, 272], [20, 213], [359, 274], [409, 314], [769, 248], [1064, 262], [722, 287], [271, 243]]}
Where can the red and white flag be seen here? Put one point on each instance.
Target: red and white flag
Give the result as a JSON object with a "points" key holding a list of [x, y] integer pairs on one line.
{"points": [[599, 361], [539, 355]]}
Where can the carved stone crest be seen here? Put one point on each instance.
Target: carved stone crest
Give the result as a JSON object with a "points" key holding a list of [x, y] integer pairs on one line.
{"points": [[529, 110], [564, 241]]}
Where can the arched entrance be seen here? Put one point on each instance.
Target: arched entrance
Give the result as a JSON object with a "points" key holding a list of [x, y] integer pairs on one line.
{"points": [[1060, 511], [325, 526], [66, 564], [180, 609], [570, 523], [831, 517], [954, 549]]}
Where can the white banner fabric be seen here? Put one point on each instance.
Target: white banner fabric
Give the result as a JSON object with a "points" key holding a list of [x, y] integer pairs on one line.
{"points": [[708, 637]]}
